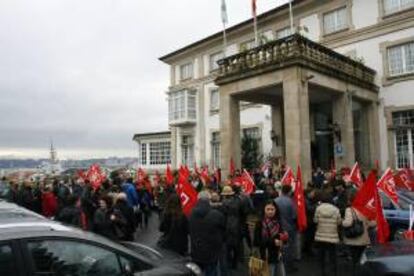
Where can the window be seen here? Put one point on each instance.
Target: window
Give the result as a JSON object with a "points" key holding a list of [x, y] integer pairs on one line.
{"points": [[187, 150], [393, 6], [186, 71], [213, 60], [214, 99], [247, 45], [335, 21], [191, 105], [401, 59], [143, 154], [56, 257], [283, 33], [182, 105], [160, 153], [403, 121], [7, 263], [215, 149]]}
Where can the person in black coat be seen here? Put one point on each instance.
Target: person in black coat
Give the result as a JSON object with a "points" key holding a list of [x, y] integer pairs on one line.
{"points": [[269, 236], [174, 227], [127, 212], [207, 228], [103, 219], [71, 214]]}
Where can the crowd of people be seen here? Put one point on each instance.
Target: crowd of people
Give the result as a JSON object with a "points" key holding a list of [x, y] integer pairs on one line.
{"points": [[225, 225]]}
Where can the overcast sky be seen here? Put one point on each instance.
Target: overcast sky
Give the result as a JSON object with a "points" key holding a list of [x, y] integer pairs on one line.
{"points": [[86, 72]]}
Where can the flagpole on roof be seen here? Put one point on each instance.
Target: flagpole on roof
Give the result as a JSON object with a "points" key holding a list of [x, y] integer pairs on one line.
{"points": [[224, 20], [291, 16], [254, 13]]}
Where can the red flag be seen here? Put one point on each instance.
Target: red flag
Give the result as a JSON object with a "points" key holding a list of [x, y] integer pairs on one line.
{"points": [[187, 194], [82, 175], [387, 185], [300, 202], [95, 176], [169, 178], [247, 183], [217, 174], [364, 199], [404, 179], [383, 229], [232, 167], [355, 176], [205, 178], [368, 202], [157, 178], [254, 8], [288, 178], [196, 169]]}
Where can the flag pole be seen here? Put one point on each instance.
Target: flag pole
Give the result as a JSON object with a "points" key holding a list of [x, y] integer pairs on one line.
{"points": [[291, 16], [224, 20]]}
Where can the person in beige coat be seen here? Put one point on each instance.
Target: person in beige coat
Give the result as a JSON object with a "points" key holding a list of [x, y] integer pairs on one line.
{"points": [[327, 219], [358, 244]]}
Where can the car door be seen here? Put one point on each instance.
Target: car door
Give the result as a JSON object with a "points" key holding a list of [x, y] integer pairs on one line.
{"points": [[10, 261], [68, 257]]}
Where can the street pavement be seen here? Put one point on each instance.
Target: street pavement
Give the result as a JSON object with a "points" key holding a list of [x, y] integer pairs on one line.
{"points": [[308, 266]]}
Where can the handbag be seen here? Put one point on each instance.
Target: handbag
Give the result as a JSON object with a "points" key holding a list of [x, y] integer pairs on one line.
{"points": [[258, 267], [356, 229]]}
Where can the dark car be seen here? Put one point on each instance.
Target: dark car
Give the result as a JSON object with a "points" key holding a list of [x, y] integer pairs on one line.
{"points": [[395, 258], [33, 245], [398, 215]]}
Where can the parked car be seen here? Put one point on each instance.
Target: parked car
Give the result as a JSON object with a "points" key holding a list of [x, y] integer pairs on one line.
{"points": [[33, 245], [398, 215], [395, 258]]}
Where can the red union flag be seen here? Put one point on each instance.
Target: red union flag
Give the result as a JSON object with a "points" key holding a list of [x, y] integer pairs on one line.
{"points": [[387, 185], [288, 178], [300, 202], [95, 176], [205, 178], [187, 194], [247, 183], [365, 198], [355, 176], [169, 178], [404, 179], [140, 175], [254, 8]]}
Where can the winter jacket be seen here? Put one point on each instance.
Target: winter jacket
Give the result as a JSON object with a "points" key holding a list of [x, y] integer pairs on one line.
{"points": [[131, 193], [207, 228], [102, 224], [347, 222], [233, 212], [287, 211], [128, 213], [328, 218], [49, 204], [267, 247], [175, 233], [70, 215]]}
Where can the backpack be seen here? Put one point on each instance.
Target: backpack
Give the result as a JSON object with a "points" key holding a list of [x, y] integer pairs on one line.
{"points": [[356, 229]]}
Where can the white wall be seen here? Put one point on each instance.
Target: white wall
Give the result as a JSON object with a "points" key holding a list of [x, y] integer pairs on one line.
{"points": [[364, 13]]}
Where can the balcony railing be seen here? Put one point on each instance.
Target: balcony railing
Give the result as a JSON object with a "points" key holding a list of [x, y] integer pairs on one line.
{"points": [[290, 51]]}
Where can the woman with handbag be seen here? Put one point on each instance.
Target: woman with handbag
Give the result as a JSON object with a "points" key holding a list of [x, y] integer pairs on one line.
{"points": [[269, 237], [355, 226]]}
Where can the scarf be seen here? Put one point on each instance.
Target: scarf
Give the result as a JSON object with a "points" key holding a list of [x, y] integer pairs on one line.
{"points": [[270, 228]]}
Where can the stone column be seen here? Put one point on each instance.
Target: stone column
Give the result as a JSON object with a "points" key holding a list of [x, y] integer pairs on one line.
{"points": [[174, 146], [373, 135], [296, 117], [278, 149], [342, 115], [229, 132]]}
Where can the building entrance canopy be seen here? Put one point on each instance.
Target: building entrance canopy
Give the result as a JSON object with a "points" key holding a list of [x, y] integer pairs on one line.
{"points": [[296, 75]]}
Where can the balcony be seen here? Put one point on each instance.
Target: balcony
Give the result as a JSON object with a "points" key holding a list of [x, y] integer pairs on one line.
{"points": [[294, 50], [182, 107]]}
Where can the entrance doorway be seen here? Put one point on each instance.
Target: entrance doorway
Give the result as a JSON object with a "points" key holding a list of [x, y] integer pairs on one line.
{"points": [[322, 144]]}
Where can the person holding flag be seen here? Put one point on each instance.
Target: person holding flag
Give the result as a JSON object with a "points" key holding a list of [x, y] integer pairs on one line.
{"points": [[358, 243]]}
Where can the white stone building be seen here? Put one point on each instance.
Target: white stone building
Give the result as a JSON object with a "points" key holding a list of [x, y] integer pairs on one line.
{"points": [[379, 33]]}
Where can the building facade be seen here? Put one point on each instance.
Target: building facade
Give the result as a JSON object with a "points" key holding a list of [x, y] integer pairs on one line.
{"points": [[353, 114], [154, 150]]}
